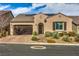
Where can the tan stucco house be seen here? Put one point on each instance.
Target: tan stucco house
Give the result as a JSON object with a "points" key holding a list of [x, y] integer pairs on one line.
{"points": [[41, 23]]}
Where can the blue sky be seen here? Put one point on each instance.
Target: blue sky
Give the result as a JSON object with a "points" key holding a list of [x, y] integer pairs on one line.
{"points": [[71, 9]]}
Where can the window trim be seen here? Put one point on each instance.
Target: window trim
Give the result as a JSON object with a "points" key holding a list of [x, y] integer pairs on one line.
{"points": [[64, 26]]}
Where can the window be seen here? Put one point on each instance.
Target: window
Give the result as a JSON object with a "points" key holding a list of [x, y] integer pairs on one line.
{"points": [[59, 25]]}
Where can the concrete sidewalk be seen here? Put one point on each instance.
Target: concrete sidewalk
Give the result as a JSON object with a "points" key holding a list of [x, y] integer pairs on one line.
{"points": [[68, 44]]}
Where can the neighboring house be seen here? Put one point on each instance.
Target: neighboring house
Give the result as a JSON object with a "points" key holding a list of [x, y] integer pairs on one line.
{"points": [[5, 18], [41, 23]]}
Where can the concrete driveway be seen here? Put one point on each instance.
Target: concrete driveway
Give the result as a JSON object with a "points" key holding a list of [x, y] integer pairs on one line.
{"points": [[21, 39], [16, 38], [25, 50]]}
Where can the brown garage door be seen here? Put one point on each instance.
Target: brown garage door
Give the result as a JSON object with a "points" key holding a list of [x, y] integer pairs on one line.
{"points": [[22, 29]]}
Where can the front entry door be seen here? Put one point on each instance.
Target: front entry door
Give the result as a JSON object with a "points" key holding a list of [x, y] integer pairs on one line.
{"points": [[40, 28]]}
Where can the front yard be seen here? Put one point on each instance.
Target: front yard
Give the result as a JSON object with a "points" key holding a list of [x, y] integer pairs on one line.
{"points": [[48, 37], [56, 37]]}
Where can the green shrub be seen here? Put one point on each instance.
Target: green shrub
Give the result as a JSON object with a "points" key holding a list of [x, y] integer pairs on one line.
{"points": [[65, 38], [77, 35], [70, 39], [51, 41], [3, 33], [34, 33], [64, 33], [55, 35], [7, 33], [61, 34], [71, 33], [0, 35], [34, 38], [48, 34], [77, 38]]}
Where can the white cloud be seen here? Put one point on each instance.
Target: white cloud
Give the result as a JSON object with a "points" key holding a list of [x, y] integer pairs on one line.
{"points": [[4, 7], [54, 8], [68, 9], [50, 7], [34, 5], [20, 10]]}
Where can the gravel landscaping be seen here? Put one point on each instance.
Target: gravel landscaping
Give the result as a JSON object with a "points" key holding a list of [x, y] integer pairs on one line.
{"points": [[48, 37]]}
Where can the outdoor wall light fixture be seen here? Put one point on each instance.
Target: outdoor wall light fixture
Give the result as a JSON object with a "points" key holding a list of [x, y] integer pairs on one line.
{"points": [[45, 20]]}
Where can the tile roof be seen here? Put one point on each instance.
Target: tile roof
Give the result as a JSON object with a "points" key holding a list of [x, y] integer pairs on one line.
{"points": [[29, 18], [26, 18], [23, 18], [76, 20]]}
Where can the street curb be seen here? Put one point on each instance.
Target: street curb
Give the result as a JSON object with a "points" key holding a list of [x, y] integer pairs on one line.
{"points": [[68, 44]]}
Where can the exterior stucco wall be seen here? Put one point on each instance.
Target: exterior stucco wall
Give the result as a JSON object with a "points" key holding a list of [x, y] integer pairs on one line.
{"points": [[74, 28], [78, 29], [39, 18], [59, 17], [48, 26]]}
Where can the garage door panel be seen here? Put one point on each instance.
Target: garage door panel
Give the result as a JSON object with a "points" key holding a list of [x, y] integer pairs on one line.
{"points": [[23, 29]]}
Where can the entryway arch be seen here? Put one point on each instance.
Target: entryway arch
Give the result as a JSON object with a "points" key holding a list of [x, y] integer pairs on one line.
{"points": [[40, 28]]}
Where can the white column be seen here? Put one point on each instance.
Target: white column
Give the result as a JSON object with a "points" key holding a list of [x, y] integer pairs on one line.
{"points": [[35, 28]]}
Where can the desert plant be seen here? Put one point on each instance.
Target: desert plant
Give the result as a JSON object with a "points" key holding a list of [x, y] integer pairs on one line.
{"points": [[77, 38], [61, 34], [55, 35], [34, 38], [71, 33], [34, 33], [70, 39], [65, 38], [51, 41], [48, 34], [65, 33], [3, 33], [7, 33], [0, 35]]}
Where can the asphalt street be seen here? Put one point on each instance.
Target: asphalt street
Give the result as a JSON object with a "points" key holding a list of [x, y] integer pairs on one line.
{"points": [[25, 50]]}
